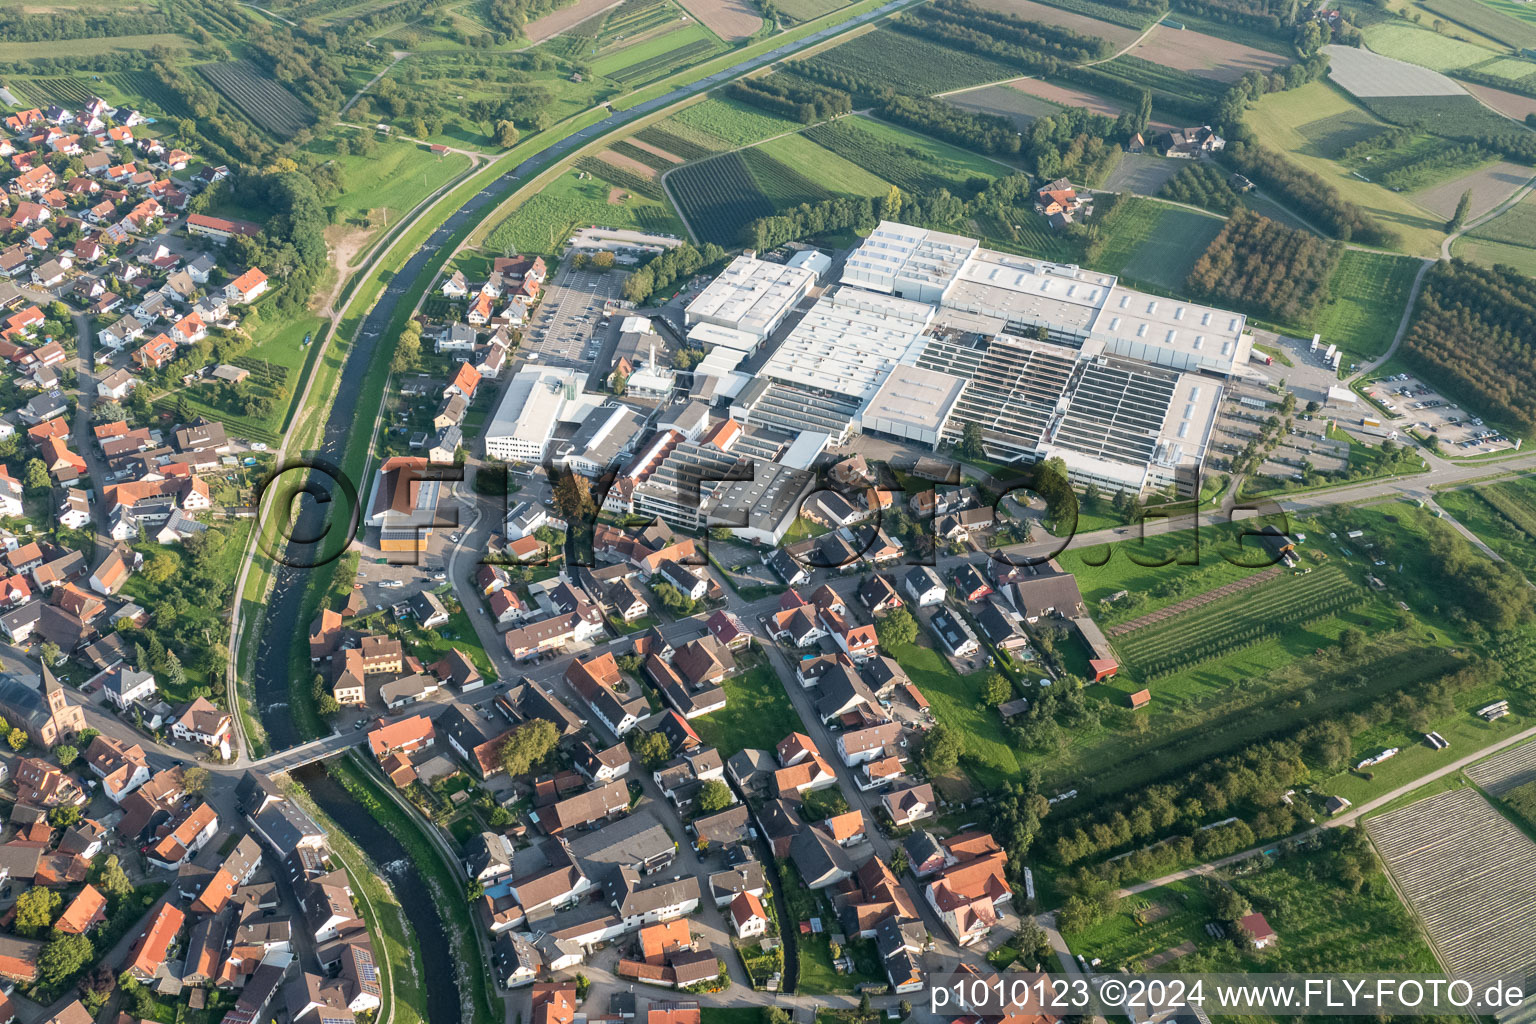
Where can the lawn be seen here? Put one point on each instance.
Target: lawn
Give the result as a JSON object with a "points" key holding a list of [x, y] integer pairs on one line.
{"points": [[1279, 120], [1508, 238], [1403, 41], [757, 712], [1501, 514], [1157, 244], [93, 46], [960, 163], [658, 55], [720, 124], [808, 10], [1369, 293], [989, 757]]}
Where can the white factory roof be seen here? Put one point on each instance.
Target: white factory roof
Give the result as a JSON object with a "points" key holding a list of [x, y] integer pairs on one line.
{"points": [[637, 325], [751, 294], [1004, 287], [901, 259], [534, 402], [913, 398], [813, 260], [1171, 331], [715, 336], [849, 341], [1190, 419]]}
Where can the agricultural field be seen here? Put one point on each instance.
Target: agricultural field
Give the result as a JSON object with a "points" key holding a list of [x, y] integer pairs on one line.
{"points": [[729, 19], [1490, 185], [1064, 95], [1511, 69], [1323, 916], [259, 96], [1362, 73], [1404, 41], [1470, 875], [574, 200], [1119, 35], [1510, 104], [1004, 101], [1031, 237], [1508, 770], [1138, 20], [1453, 117], [1203, 55], [1368, 293], [886, 57], [659, 56], [719, 124], [1301, 121], [1329, 136], [1220, 628], [1157, 244], [1512, 8], [1486, 19], [718, 198], [825, 167], [1142, 173], [92, 46], [914, 162], [809, 10]]}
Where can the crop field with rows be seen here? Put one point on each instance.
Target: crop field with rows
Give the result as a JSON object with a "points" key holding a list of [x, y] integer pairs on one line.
{"points": [[1223, 627], [908, 64], [259, 97]]}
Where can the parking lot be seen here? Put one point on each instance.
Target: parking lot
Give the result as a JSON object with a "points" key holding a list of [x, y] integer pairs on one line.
{"points": [[1417, 407], [566, 327], [1245, 409]]}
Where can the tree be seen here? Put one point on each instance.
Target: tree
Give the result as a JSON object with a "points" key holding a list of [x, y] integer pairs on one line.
{"points": [[64, 957], [473, 891], [64, 816], [997, 690], [1462, 206], [114, 880], [35, 475], [49, 652], [175, 675], [195, 779], [17, 738], [940, 751], [159, 567], [573, 498], [714, 796], [653, 749], [66, 754], [896, 628], [35, 910], [899, 861], [970, 446], [407, 349], [506, 134], [528, 746]]}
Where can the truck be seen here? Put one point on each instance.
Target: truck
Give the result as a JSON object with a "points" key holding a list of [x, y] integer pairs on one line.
{"points": [[1259, 357], [1369, 421]]}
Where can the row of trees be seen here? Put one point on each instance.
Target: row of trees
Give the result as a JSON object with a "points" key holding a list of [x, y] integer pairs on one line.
{"points": [[1474, 328], [1309, 194], [791, 97], [1204, 185], [1258, 264], [964, 26], [665, 268]]}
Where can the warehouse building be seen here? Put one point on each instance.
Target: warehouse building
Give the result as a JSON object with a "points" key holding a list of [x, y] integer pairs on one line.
{"points": [[751, 295]]}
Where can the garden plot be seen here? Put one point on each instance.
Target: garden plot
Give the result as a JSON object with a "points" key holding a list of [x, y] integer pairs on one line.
{"points": [[556, 22], [1510, 770], [1470, 875], [1363, 73], [1142, 173], [1203, 55], [1489, 185], [1069, 96]]}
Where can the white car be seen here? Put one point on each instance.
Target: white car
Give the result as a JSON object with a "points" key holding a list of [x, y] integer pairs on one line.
{"points": [[258, 446], [391, 584]]}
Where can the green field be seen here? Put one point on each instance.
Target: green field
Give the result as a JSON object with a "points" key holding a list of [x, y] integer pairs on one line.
{"points": [[92, 46], [1503, 514], [1508, 238], [905, 63], [757, 713], [807, 10], [1420, 46], [1369, 293], [1282, 122], [1330, 136], [547, 219], [393, 178], [1157, 244], [1497, 19], [1221, 628], [720, 124], [652, 58], [825, 167], [1511, 69]]}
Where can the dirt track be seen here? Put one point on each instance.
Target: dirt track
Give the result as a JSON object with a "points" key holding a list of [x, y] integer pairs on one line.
{"points": [[1191, 603]]}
